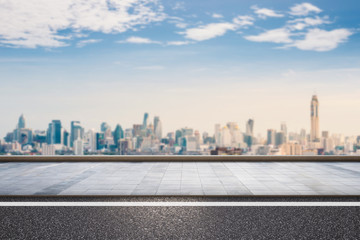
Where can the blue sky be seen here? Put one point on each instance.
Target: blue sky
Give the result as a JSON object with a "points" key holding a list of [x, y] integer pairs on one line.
{"points": [[193, 63]]}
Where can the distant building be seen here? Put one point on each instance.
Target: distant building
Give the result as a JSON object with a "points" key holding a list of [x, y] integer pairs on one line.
{"points": [[145, 123], [157, 127], [137, 130], [76, 132], [124, 146], [250, 127], [48, 149], [104, 127], [314, 116], [226, 151], [21, 134], [291, 148], [21, 123], [79, 147], [279, 138], [283, 129], [100, 141], [271, 137], [66, 138], [118, 134], [91, 140], [54, 132]]}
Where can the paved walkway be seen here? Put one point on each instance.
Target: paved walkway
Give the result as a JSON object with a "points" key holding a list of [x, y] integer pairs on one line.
{"points": [[180, 178]]}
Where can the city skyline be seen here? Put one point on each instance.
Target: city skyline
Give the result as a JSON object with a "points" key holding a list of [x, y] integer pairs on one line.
{"points": [[76, 130], [148, 138], [243, 125], [226, 61]]}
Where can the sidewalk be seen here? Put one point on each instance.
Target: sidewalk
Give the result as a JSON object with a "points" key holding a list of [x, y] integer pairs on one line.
{"points": [[180, 178]]}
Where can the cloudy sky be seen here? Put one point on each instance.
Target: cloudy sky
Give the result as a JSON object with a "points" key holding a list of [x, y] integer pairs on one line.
{"points": [[193, 63]]}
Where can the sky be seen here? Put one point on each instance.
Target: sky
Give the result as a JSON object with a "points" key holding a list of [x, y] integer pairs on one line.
{"points": [[193, 63]]}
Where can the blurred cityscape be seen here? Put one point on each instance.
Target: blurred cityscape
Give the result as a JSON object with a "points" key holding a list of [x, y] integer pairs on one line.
{"points": [[147, 138]]}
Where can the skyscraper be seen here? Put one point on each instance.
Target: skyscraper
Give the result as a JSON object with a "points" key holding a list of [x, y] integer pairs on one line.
{"points": [[54, 132], [250, 127], [284, 130], [146, 116], [157, 127], [76, 132], [314, 116], [248, 137], [22, 134], [271, 137], [118, 134], [21, 123]]}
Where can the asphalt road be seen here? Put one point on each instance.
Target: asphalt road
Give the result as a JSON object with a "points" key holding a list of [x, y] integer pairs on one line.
{"points": [[179, 222]]}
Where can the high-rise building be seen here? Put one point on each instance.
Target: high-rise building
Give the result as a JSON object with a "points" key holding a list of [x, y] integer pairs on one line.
{"points": [[283, 128], [279, 138], [54, 132], [118, 134], [91, 140], [217, 135], [271, 137], [225, 137], [137, 130], [146, 116], [21, 134], [237, 138], [248, 137], [250, 127], [66, 138], [100, 141], [124, 146], [78, 146], [314, 116], [104, 127], [157, 127], [76, 132], [21, 123], [178, 136]]}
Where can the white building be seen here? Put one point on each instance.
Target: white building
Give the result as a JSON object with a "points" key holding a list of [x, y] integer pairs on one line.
{"points": [[48, 150], [78, 147]]}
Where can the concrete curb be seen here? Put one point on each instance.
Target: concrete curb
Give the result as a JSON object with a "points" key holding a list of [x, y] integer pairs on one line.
{"points": [[175, 196], [178, 158]]}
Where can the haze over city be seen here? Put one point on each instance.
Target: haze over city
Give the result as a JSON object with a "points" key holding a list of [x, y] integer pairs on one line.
{"points": [[192, 64]]}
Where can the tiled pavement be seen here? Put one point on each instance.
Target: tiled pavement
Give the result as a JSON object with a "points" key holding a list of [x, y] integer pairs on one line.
{"points": [[180, 178]]}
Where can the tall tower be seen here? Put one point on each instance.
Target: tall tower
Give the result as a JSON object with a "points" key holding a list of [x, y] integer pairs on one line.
{"points": [[250, 127], [314, 116], [146, 116], [157, 127], [21, 123]]}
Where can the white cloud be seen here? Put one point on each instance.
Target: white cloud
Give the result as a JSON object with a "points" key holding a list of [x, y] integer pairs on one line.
{"points": [[208, 31], [178, 43], [213, 30], [34, 23], [139, 40], [266, 12], [279, 35], [150, 68], [322, 40], [216, 15], [304, 9], [179, 6], [83, 43], [181, 25], [301, 23], [243, 21]]}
